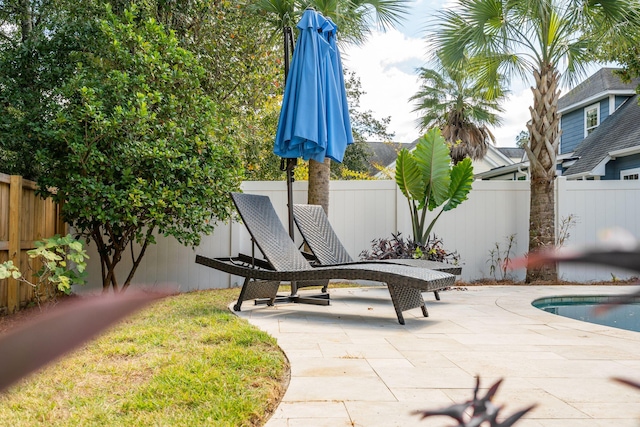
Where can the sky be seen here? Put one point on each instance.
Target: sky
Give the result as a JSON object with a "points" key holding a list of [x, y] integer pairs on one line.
{"points": [[386, 66]]}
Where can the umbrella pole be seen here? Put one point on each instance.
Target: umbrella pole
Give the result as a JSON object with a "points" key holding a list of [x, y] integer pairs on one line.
{"points": [[291, 164]]}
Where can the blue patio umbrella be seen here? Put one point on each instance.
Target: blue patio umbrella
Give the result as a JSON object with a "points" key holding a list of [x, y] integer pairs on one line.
{"points": [[314, 119], [338, 122]]}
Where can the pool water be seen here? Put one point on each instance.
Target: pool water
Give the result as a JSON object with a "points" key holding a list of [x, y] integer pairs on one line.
{"points": [[626, 316]]}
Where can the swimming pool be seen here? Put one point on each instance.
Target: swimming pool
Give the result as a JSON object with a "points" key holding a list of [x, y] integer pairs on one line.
{"points": [[626, 316]]}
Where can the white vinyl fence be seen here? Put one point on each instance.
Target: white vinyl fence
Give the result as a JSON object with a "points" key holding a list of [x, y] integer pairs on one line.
{"points": [[361, 211]]}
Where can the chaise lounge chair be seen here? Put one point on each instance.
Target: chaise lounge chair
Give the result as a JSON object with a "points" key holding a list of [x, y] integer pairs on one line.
{"points": [[327, 249], [284, 262]]}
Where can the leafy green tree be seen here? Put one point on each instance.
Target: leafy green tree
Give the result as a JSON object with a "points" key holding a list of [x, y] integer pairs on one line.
{"points": [[626, 52], [551, 39], [242, 76], [522, 139], [243, 71], [453, 100], [35, 44], [428, 181], [136, 147]]}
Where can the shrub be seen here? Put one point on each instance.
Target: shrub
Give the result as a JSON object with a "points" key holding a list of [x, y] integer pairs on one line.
{"points": [[397, 247]]}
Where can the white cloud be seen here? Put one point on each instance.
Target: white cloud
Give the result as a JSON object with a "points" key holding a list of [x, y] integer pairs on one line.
{"points": [[386, 66], [515, 117]]}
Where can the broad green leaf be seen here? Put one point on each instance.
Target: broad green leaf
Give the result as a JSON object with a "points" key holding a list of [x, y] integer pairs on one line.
{"points": [[461, 179], [432, 155], [76, 246], [8, 269], [408, 177]]}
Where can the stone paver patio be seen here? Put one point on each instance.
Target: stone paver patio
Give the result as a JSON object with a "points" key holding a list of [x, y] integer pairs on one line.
{"points": [[352, 364]]}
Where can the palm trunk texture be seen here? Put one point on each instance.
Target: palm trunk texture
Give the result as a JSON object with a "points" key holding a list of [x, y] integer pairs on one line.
{"points": [[319, 175], [542, 153]]}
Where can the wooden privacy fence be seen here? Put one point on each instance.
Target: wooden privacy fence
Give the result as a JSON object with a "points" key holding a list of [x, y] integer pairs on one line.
{"points": [[24, 219]]}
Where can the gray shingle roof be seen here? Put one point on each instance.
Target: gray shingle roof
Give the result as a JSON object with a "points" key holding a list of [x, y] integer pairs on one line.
{"points": [[385, 153], [602, 81], [618, 131], [512, 152]]}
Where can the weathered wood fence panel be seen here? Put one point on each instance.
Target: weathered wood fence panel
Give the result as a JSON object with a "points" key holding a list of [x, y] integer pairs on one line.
{"points": [[24, 219]]}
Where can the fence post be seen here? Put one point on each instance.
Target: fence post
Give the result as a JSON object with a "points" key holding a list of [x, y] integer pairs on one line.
{"points": [[15, 208], [61, 226]]}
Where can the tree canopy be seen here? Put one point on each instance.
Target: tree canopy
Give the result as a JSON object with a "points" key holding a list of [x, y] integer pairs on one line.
{"points": [[137, 146], [461, 106]]}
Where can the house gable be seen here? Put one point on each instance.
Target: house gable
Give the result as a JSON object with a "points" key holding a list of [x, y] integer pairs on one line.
{"points": [[615, 138], [615, 167], [603, 90]]}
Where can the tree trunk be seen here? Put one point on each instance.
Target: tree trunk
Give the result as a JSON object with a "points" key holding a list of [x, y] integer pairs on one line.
{"points": [[26, 20], [542, 152], [319, 175]]}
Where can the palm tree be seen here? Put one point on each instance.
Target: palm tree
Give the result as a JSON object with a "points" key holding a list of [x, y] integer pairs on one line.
{"points": [[453, 101], [549, 39], [353, 18]]}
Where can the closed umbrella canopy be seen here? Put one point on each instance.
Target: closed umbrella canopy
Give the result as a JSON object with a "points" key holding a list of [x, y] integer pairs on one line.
{"points": [[314, 120]]}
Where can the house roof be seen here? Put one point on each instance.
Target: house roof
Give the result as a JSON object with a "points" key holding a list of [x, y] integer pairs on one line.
{"points": [[512, 152], [385, 153], [503, 170], [620, 131], [602, 82]]}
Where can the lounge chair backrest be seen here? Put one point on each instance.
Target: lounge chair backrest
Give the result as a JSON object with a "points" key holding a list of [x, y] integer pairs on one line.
{"points": [[319, 235], [268, 233]]}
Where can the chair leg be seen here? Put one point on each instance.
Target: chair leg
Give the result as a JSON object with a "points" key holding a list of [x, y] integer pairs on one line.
{"points": [[437, 295], [243, 292], [405, 298], [255, 289]]}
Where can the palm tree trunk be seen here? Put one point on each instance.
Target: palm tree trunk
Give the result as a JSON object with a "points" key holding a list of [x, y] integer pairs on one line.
{"points": [[542, 153], [319, 175]]}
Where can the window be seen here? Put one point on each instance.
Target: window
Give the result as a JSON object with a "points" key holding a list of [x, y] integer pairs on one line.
{"points": [[630, 174], [591, 118]]}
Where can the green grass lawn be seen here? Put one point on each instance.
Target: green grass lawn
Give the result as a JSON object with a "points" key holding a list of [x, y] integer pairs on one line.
{"points": [[185, 361]]}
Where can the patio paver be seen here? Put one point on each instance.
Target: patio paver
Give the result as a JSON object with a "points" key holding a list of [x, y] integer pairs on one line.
{"points": [[352, 364]]}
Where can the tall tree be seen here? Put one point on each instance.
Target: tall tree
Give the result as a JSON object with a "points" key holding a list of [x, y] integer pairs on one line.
{"points": [[625, 51], [242, 74], [35, 43], [453, 100], [354, 19], [550, 40], [137, 148]]}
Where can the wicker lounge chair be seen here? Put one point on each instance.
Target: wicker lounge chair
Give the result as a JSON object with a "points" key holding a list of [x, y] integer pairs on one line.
{"points": [[284, 262], [327, 249]]}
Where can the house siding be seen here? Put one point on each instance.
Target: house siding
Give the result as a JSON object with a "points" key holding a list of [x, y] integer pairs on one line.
{"points": [[572, 130], [619, 100], [573, 125], [613, 168], [604, 110]]}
